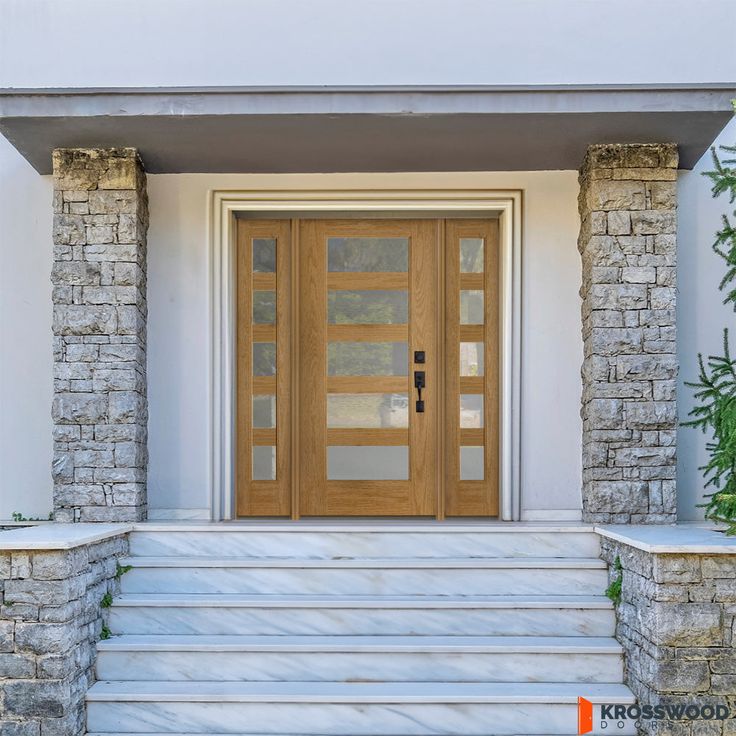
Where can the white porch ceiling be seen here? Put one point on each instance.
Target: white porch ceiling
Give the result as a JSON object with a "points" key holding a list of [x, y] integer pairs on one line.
{"points": [[256, 130]]}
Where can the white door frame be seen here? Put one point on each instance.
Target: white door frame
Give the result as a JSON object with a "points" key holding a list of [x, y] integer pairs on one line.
{"points": [[224, 204]]}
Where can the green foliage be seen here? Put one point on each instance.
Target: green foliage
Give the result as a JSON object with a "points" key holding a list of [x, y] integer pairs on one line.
{"points": [[613, 591], [715, 389], [17, 516], [120, 570], [105, 632], [106, 601]]}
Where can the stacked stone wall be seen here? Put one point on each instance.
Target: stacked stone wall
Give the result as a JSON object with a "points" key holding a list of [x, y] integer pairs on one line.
{"points": [[627, 204], [99, 324], [676, 622], [50, 621]]}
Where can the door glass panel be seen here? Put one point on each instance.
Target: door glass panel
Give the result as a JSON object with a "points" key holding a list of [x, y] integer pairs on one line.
{"points": [[471, 411], [264, 307], [264, 255], [471, 255], [471, 307], [264, 462], [375, 462], [471, 358], [264, 411], [368, 307], [368, 254], [368, 410], [264, 358], [471, 463], [367, 359]]}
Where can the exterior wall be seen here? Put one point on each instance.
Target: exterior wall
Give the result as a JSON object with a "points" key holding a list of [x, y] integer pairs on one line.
{"points": [[675, 622], [50, 621], [179, 328], [378, 42]]}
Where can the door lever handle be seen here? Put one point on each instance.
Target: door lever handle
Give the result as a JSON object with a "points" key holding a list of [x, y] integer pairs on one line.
{"points": [[420, 382]]}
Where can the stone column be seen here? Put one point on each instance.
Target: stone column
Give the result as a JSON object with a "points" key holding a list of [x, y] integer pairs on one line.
{"points": [[100, 408], [627, 240]]}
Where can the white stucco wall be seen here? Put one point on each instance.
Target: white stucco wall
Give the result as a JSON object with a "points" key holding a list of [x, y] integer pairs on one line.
{"points": [[364, 42], [701, 314], [25, 337]]}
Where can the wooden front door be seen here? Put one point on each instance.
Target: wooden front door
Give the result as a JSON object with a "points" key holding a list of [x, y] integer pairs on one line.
{"points": [[367, 356]]}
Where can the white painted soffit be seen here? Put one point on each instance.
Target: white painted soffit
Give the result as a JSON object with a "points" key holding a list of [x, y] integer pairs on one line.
{"points": [[363, 129]]}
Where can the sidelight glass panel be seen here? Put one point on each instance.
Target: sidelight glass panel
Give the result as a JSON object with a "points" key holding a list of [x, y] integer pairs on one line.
{"points": [[264, 411], [347, 462], [367, 307], [471, 307], [368, 254], [367, 358], [264, 255], [264, 358], [472, 358], [368, 410], [264, 462], [471, 255], [264, 307], [471, 411], [472, 463]]}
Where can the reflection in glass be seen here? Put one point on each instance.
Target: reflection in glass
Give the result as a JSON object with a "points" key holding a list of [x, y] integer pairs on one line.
{"points": [[368, 410], [367, 359], [368, 463], [471, 255], [264, 462], [471, 463], [368, 254], [264, 307], [264, 255], [264, 411], [367, 307], [471, 358], [264, 358], [471, 307], [471, 411]]}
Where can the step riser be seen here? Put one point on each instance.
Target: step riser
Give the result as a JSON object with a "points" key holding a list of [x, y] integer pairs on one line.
{"points": [[359, 666], [372, 581], [339, 719], [331, 545], [356, 621]]}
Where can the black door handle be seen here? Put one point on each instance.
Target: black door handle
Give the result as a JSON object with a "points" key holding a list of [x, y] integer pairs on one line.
{"points": [[420, 382]]}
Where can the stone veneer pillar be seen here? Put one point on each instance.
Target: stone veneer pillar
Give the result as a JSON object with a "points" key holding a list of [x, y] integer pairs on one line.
{"points": [[100, 408], [627, 203]]}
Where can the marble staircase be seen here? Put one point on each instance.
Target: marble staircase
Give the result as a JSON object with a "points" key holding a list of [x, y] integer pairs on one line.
{"points": [[351, 629]]}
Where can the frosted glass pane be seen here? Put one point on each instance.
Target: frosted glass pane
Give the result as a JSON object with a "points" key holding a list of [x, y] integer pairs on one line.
{"points": [[264, 411], [264, 307], [368, 410], [471, 307], [367, 463], [264, 462], [264, 255], [367, 307], [472, 359], [367, 359], [471, 255], [471, 411], [471, 463], [264, 358], [368, 254]]}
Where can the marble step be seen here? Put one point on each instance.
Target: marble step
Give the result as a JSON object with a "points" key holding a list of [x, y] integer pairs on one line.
{"points": [[330, 541], [360, 658], [336, 709], [463, 576], [551, 615]]}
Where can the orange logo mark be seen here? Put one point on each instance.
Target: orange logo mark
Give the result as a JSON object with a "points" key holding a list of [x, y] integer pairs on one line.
{"points": [[585, 716]]}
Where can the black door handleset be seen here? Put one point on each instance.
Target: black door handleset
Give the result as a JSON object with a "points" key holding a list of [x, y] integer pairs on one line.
{"points": [[420, 380]]}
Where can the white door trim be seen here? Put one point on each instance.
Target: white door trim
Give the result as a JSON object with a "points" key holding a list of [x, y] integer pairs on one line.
{"points": [[225, 204]]}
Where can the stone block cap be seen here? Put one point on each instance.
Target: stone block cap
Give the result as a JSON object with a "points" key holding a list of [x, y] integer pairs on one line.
{"points": [[59, 536], [630, 156], [682, 539]]}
